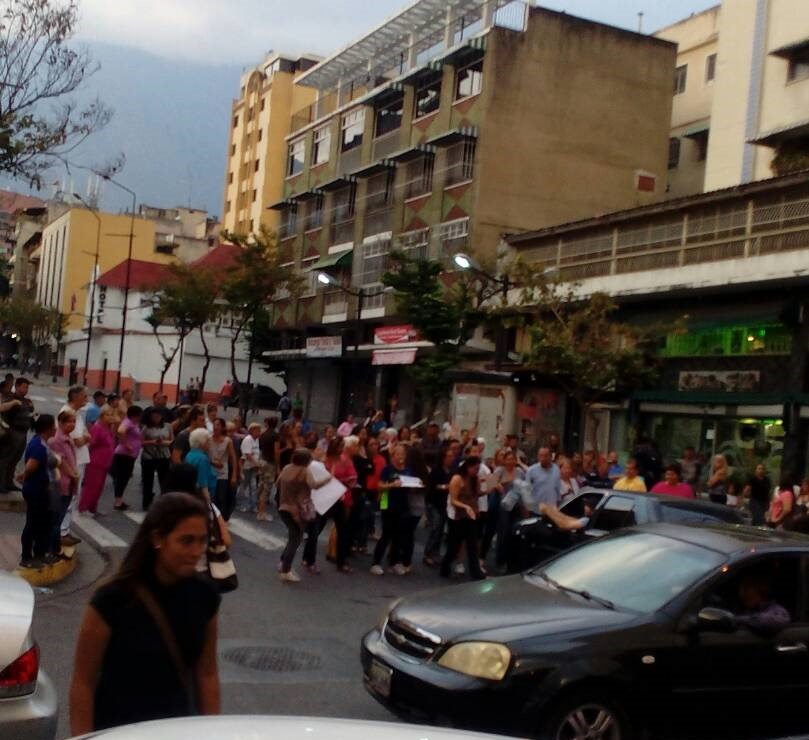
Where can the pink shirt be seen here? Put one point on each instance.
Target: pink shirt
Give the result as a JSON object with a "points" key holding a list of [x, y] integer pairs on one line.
{"points": [[101, 445], [345, 429], [63, 446], [132, 439], [681, 490]]}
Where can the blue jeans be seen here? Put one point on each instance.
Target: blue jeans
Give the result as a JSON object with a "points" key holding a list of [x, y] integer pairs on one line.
{"points": [[249, 488]]}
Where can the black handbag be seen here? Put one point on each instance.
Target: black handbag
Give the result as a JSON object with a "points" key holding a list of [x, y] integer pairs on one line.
{"points": [[221, 568]]}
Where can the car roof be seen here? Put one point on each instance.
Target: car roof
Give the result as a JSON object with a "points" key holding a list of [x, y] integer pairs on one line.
{"points": [[720, 511], [730, 539], [235, 727]]}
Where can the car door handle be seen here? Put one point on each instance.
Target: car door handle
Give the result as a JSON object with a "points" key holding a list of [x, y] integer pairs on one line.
{"points": [[797, 647]]}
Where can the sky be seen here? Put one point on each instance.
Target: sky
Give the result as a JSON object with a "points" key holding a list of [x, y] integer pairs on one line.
{"points": [[170, 68]]}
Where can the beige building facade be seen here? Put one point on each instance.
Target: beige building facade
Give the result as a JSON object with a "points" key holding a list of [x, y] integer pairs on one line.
{"points": [[256, 155], [743, 114]]}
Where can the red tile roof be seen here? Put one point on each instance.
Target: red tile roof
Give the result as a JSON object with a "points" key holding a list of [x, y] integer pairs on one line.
{"points": [[11, 202], [142, 275], [221, 257]]}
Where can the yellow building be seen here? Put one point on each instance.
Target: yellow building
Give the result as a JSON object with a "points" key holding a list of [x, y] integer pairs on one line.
{"points": [[260, 120], [68, 255]]}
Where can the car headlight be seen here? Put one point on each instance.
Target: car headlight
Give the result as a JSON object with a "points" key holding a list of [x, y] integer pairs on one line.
{"points": [[480, 659]]}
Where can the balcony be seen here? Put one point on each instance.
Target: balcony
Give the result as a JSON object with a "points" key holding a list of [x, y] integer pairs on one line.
{"points": [[386, 144], [351, 160], [377, 221], [335, 305]]}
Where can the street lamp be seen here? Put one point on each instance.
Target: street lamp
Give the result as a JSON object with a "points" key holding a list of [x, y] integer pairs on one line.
{"points": [[93, 288], [360, 294]]}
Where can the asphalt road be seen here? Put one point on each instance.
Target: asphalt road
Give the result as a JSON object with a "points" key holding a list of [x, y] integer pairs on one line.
{"points": [[284, 649]]}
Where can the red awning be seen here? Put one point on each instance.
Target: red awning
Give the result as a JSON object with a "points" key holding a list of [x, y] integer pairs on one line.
{"points": [[394, 356]]}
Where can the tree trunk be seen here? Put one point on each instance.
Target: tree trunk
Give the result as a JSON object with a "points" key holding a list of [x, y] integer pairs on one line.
{"points": [[207, 364]]}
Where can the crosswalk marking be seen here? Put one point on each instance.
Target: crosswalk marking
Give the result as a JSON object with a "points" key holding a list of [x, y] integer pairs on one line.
{"points": [[238, 527], [40, 399], [255, 535], [100, 535]]}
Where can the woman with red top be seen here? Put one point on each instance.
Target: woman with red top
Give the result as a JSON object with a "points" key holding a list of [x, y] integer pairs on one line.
{"points": [[341, 466], [102, 447], [372, 484], [672, 485], [782, 505]]}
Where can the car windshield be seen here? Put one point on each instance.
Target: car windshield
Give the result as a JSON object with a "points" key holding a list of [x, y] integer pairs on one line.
{"points": [[636, 571]]}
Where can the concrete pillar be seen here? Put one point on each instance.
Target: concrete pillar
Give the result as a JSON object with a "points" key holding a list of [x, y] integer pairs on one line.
{"points": [[412, 55], [488, 13], [449, 28]]}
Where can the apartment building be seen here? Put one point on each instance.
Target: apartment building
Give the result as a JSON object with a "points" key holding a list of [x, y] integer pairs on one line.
{"points": [[437, 132], [187, 233], [732, 266], [260, 119], [741, 94]]}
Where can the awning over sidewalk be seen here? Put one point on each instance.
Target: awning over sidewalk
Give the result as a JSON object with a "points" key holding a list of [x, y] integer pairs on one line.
{"points": [[338, 259]]}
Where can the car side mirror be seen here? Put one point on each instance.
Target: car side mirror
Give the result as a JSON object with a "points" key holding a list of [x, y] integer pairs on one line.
{"points": [[711, 619]]}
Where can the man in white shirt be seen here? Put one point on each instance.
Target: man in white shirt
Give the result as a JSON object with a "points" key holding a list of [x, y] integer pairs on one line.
{"points": [[77, 403], [251, 460]]}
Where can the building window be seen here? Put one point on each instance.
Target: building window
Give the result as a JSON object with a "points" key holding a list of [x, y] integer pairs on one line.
{"points": [[680, 78], [232, 149], [250, 113], [379, 191], [353, 126], [375, 255], [310, 282], [260, 134], [235, 121], [227, 206], [798, 65], [314, 213], [289, 222], [389, 117], [343, 205], [230, 178], [415, 244], [460, 162], [322, 145], [419, 176], [674, 153], [701, 142], [261, 106], [469, 80], [255, 195], [428, 96], [710, 68], [257, 165], [295, 160]]}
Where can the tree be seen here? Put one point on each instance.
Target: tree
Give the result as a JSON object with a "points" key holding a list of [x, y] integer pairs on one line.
{"points": [[33, 324], [445, 308], [185, 302], [579, 341], [258, 277], [39, 121]]}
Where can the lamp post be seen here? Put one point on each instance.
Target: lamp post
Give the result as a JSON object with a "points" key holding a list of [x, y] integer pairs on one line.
{"points": [[93, 287], [117, 184]]}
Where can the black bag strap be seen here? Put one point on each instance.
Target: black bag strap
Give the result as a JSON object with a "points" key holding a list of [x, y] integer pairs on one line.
{"points": [[162, 624]]}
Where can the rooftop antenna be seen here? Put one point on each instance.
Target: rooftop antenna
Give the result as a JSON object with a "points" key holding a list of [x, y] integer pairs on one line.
{"points": [[640, 22]]}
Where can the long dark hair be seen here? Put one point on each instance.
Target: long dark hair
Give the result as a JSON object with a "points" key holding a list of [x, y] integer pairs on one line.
{"points": [[163, 517], [463, 471]]}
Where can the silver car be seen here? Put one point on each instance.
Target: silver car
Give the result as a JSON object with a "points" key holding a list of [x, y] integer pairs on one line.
{"points": [[28, 702]]}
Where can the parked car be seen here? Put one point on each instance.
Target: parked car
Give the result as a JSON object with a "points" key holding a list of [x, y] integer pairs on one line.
{"points": [[637, 632], [536, 539], [276, 728], [28, 702]]}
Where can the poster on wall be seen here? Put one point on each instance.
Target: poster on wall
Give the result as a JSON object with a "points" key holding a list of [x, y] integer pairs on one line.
{"points": [[735, 381], [540, 413], [483, 408]]}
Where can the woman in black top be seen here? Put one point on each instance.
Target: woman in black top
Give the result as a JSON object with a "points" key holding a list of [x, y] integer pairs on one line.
{"points": [[759, 492], [437, 488], [147, 643], [361, 506]]}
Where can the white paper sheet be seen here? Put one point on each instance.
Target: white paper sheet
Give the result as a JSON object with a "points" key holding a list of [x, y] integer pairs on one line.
{"points": [[410, 481], [326, 496]]}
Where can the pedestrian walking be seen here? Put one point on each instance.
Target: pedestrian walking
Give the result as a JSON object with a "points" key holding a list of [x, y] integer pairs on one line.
{"points": [[269, 444], [463, 529], [18, 413], [361, 507], [36, 534], [130, 440], [295, 507], [102, 448], [194, 419], [155, 456], [62, 445], [250, 461], [226, 467], [199, 460], [77, 404], [437, 489], [284, 406], [147, 643], [758, 491], [393, 506], [718, 480]]}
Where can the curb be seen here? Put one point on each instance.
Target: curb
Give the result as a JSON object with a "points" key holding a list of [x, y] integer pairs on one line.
{"points": [[12, 502], [50, 575]]}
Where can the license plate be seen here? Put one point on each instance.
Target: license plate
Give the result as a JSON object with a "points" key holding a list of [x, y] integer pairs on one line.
{"points": [[379, 679]]}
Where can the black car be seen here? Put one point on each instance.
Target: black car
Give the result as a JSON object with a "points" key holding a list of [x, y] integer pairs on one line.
{"points": [[640, 633], [536, 539]]}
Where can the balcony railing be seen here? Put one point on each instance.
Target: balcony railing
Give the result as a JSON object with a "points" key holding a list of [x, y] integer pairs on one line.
{"points": [[351, 159], [386, 144], [377, 221], [287, 230], [714, 234]]}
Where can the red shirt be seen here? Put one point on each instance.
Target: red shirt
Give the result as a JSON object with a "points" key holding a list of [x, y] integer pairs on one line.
{"points": [[681, 490], [372, 481]]}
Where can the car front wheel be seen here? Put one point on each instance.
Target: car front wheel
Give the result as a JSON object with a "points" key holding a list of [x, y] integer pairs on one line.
{"points": [[587, 718]]}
